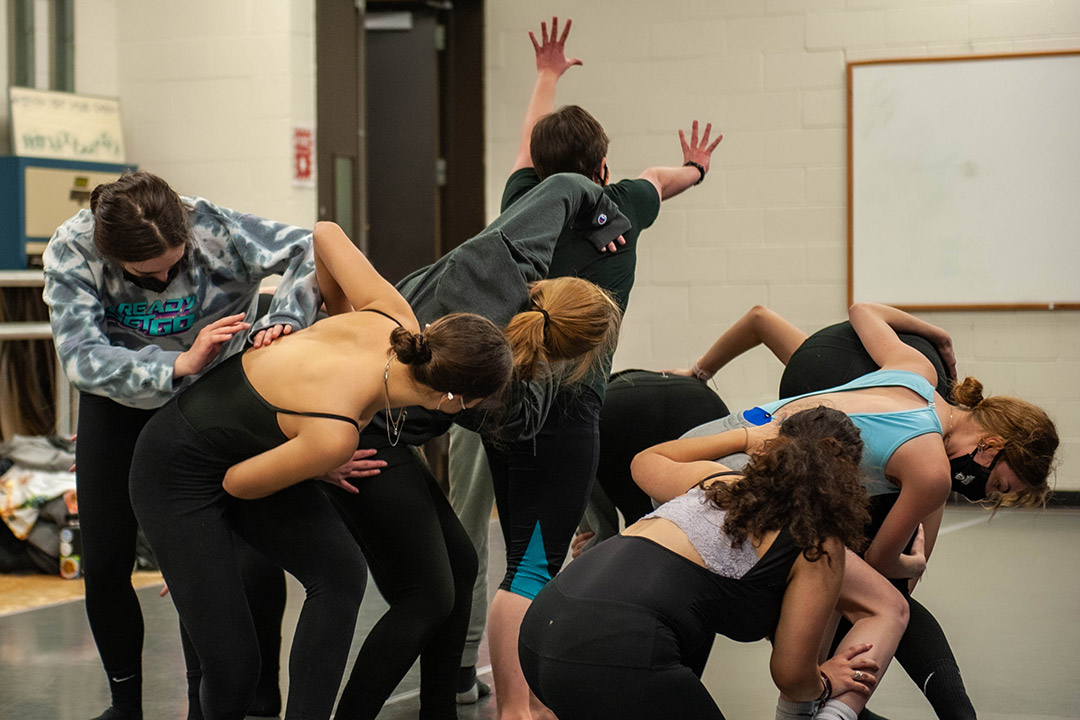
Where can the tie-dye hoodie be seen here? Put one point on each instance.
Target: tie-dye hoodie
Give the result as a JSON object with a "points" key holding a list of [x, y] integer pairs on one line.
{"points": [[120, 341]]}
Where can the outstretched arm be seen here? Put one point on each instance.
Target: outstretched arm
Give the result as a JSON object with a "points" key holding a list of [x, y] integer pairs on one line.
{"points": [[670, 181], [759, 326], [551, 63], [877, 327]]}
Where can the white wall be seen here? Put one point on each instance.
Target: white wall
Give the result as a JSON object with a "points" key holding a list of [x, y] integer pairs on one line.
{"points": [[769, 224], [210, 91]]}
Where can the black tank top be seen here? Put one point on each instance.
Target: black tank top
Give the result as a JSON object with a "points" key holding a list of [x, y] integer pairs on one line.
{"points": [[229, 412]]}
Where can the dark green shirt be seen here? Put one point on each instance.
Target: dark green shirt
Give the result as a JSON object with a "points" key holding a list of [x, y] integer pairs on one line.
{"points": [[575, 257]]}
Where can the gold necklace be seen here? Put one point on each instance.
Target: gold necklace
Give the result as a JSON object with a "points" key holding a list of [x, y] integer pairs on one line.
{"points": [[392, 424]]}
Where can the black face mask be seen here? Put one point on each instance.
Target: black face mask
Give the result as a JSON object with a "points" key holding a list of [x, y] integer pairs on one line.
{"points": [[969, 477], [152, 283]]}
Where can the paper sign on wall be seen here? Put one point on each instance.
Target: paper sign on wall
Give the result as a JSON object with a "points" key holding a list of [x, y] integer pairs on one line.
{"points": [[66, 126], [303, 157]]}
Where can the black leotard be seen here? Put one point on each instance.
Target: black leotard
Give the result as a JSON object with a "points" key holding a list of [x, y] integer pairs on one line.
{"points": [[229, 387]]}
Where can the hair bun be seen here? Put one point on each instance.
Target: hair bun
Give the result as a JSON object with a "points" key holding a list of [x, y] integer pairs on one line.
{"points": [[411, 348], [968, 392]]}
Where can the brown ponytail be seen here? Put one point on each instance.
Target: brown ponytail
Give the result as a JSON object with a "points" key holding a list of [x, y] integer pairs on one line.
{"points": [[411, 348], [571, 321]]}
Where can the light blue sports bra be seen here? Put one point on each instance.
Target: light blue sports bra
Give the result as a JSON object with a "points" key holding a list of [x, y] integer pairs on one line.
{"points": [[883, 433]]}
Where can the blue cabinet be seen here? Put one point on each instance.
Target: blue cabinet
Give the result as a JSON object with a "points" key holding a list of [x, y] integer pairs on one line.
{"points": [[37, 195]]}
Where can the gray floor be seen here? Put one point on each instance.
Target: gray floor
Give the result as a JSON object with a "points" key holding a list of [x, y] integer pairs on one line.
{"points": [[1007, 592]]}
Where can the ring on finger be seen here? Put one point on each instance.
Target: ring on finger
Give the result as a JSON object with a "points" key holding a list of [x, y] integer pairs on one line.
{"points": [[858, 674]]}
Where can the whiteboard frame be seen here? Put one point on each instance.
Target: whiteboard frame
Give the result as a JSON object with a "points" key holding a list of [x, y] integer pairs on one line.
{"points": [[852, 67]]}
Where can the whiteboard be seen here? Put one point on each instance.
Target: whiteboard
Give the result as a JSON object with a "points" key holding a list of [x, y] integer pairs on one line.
{"points": [[65, 126], [964, 182]]}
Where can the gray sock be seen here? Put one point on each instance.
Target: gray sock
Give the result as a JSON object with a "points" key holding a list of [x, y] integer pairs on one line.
{"points": [[835, 710], [789, 710]]}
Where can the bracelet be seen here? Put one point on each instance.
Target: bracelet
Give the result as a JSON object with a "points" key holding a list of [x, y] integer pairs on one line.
{"points": [[746, 439], [700, 169], [700, 373], [826, 692]]}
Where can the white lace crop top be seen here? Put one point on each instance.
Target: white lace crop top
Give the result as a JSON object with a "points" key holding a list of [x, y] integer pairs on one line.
{"points": [[703, 524]]}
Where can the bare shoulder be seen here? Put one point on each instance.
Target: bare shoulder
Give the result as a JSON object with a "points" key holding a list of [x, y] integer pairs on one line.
{"points": [[920, 457]]}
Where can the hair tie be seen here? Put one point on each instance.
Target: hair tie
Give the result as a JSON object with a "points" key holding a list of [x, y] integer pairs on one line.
{"points": [[547, 318]]}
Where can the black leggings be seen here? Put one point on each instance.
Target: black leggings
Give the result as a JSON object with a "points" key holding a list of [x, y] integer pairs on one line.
{"points": [[642, 409], [424, 565], [107, 432], [189, 520], [924, 651], [541, 488], [609, 692], [604, 646]]}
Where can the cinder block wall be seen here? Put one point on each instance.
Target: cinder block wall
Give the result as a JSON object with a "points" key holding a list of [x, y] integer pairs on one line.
{"points": [[769, 225], [210, 92]]}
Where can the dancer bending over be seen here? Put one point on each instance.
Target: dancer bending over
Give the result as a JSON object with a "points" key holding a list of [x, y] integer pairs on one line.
{"points": [[233, 452], [995, 450], [624, 631], [146, 290]]}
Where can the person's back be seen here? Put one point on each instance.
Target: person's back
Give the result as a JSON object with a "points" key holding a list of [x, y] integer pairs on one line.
{"points": [[834, 355], [310, 356]]}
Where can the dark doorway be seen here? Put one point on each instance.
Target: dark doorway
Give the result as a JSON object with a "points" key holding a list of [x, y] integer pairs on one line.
{"points": [[424, 115], [339, 48], [400, 132], [401, 117], [402, 88]]}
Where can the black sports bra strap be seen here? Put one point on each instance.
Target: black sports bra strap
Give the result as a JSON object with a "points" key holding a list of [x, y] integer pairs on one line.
{"points": [[329, 416], [721, 474], [385, 315]]}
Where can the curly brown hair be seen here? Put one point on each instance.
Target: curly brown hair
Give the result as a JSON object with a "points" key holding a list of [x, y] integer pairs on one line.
{"points": [[806, 479]]}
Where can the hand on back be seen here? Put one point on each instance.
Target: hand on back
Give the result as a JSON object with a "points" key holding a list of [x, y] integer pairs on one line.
{"points": [[208, 344]]}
